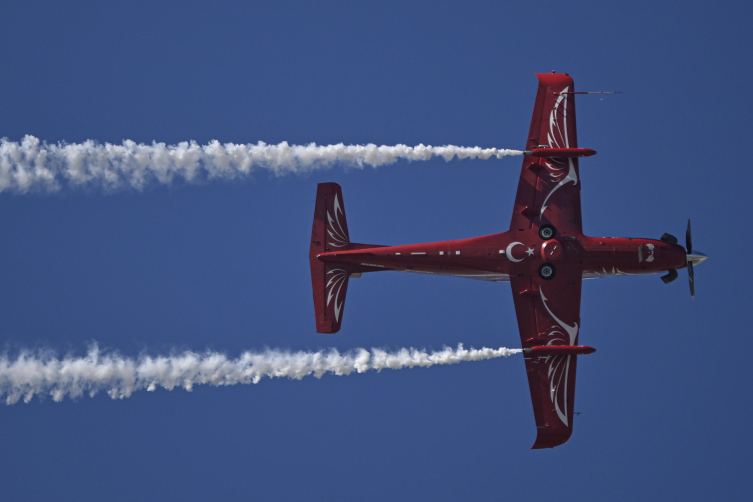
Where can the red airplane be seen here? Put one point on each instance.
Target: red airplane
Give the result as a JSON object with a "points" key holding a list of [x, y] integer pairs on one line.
{"points": [[545, 256]]}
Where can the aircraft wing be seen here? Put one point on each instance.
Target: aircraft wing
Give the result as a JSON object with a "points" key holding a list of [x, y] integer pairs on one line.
{"points": [[549, 314], [549, 188]]}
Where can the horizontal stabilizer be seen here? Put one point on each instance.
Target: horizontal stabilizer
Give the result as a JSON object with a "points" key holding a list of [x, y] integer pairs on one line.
{"points": [[329, 281]]}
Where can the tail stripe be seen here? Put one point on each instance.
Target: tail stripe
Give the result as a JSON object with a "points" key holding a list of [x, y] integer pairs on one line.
{"points": [[336, 281], [338, 234]]}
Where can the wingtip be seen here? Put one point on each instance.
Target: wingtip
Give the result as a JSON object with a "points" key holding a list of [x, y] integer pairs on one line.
{"points": [[547, 439], [558, 80]]}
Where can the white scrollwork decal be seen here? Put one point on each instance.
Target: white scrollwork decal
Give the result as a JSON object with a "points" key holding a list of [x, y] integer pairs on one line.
{"points": [[337, 233], [557, 137], [334, 286], [559, 366]]}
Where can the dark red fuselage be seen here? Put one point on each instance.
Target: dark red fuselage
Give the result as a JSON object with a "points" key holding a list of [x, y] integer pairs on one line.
{"points": [[496, 257]]}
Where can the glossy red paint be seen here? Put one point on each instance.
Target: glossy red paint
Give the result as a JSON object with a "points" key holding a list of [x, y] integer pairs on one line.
{"points": [[551, 250], [544, 255], [497, 257]]}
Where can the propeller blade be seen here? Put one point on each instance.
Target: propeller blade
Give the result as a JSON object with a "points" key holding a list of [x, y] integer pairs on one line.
{"points": [[669, 238], [671, 276], [688, 240], [691, 276]]}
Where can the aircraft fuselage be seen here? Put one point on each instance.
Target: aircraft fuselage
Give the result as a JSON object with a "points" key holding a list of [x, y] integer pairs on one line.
{"points": [[495, 257]]}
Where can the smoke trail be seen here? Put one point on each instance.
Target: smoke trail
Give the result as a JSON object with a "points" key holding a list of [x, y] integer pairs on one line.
{"points": [[42, 373], [32, 164]]}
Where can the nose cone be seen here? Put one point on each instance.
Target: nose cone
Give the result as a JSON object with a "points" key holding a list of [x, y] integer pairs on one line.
{"points": [[696, 257]]}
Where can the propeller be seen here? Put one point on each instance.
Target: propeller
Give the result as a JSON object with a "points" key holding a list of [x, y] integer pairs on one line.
{"points": [[691, 258], [689, 251]]}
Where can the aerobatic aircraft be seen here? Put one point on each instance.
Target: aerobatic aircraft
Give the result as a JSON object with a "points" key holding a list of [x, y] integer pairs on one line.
{"points": [[544, 256]]}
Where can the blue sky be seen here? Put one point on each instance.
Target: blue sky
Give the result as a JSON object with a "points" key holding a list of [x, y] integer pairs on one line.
{"points": [[223, 265]]}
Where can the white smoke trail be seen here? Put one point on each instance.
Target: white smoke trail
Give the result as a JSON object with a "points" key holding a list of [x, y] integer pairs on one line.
{"points": [[32, 164], [44, 374]]}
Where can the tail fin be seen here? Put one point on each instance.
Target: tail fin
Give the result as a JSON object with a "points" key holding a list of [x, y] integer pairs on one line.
{"points": [[329, 281]]}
